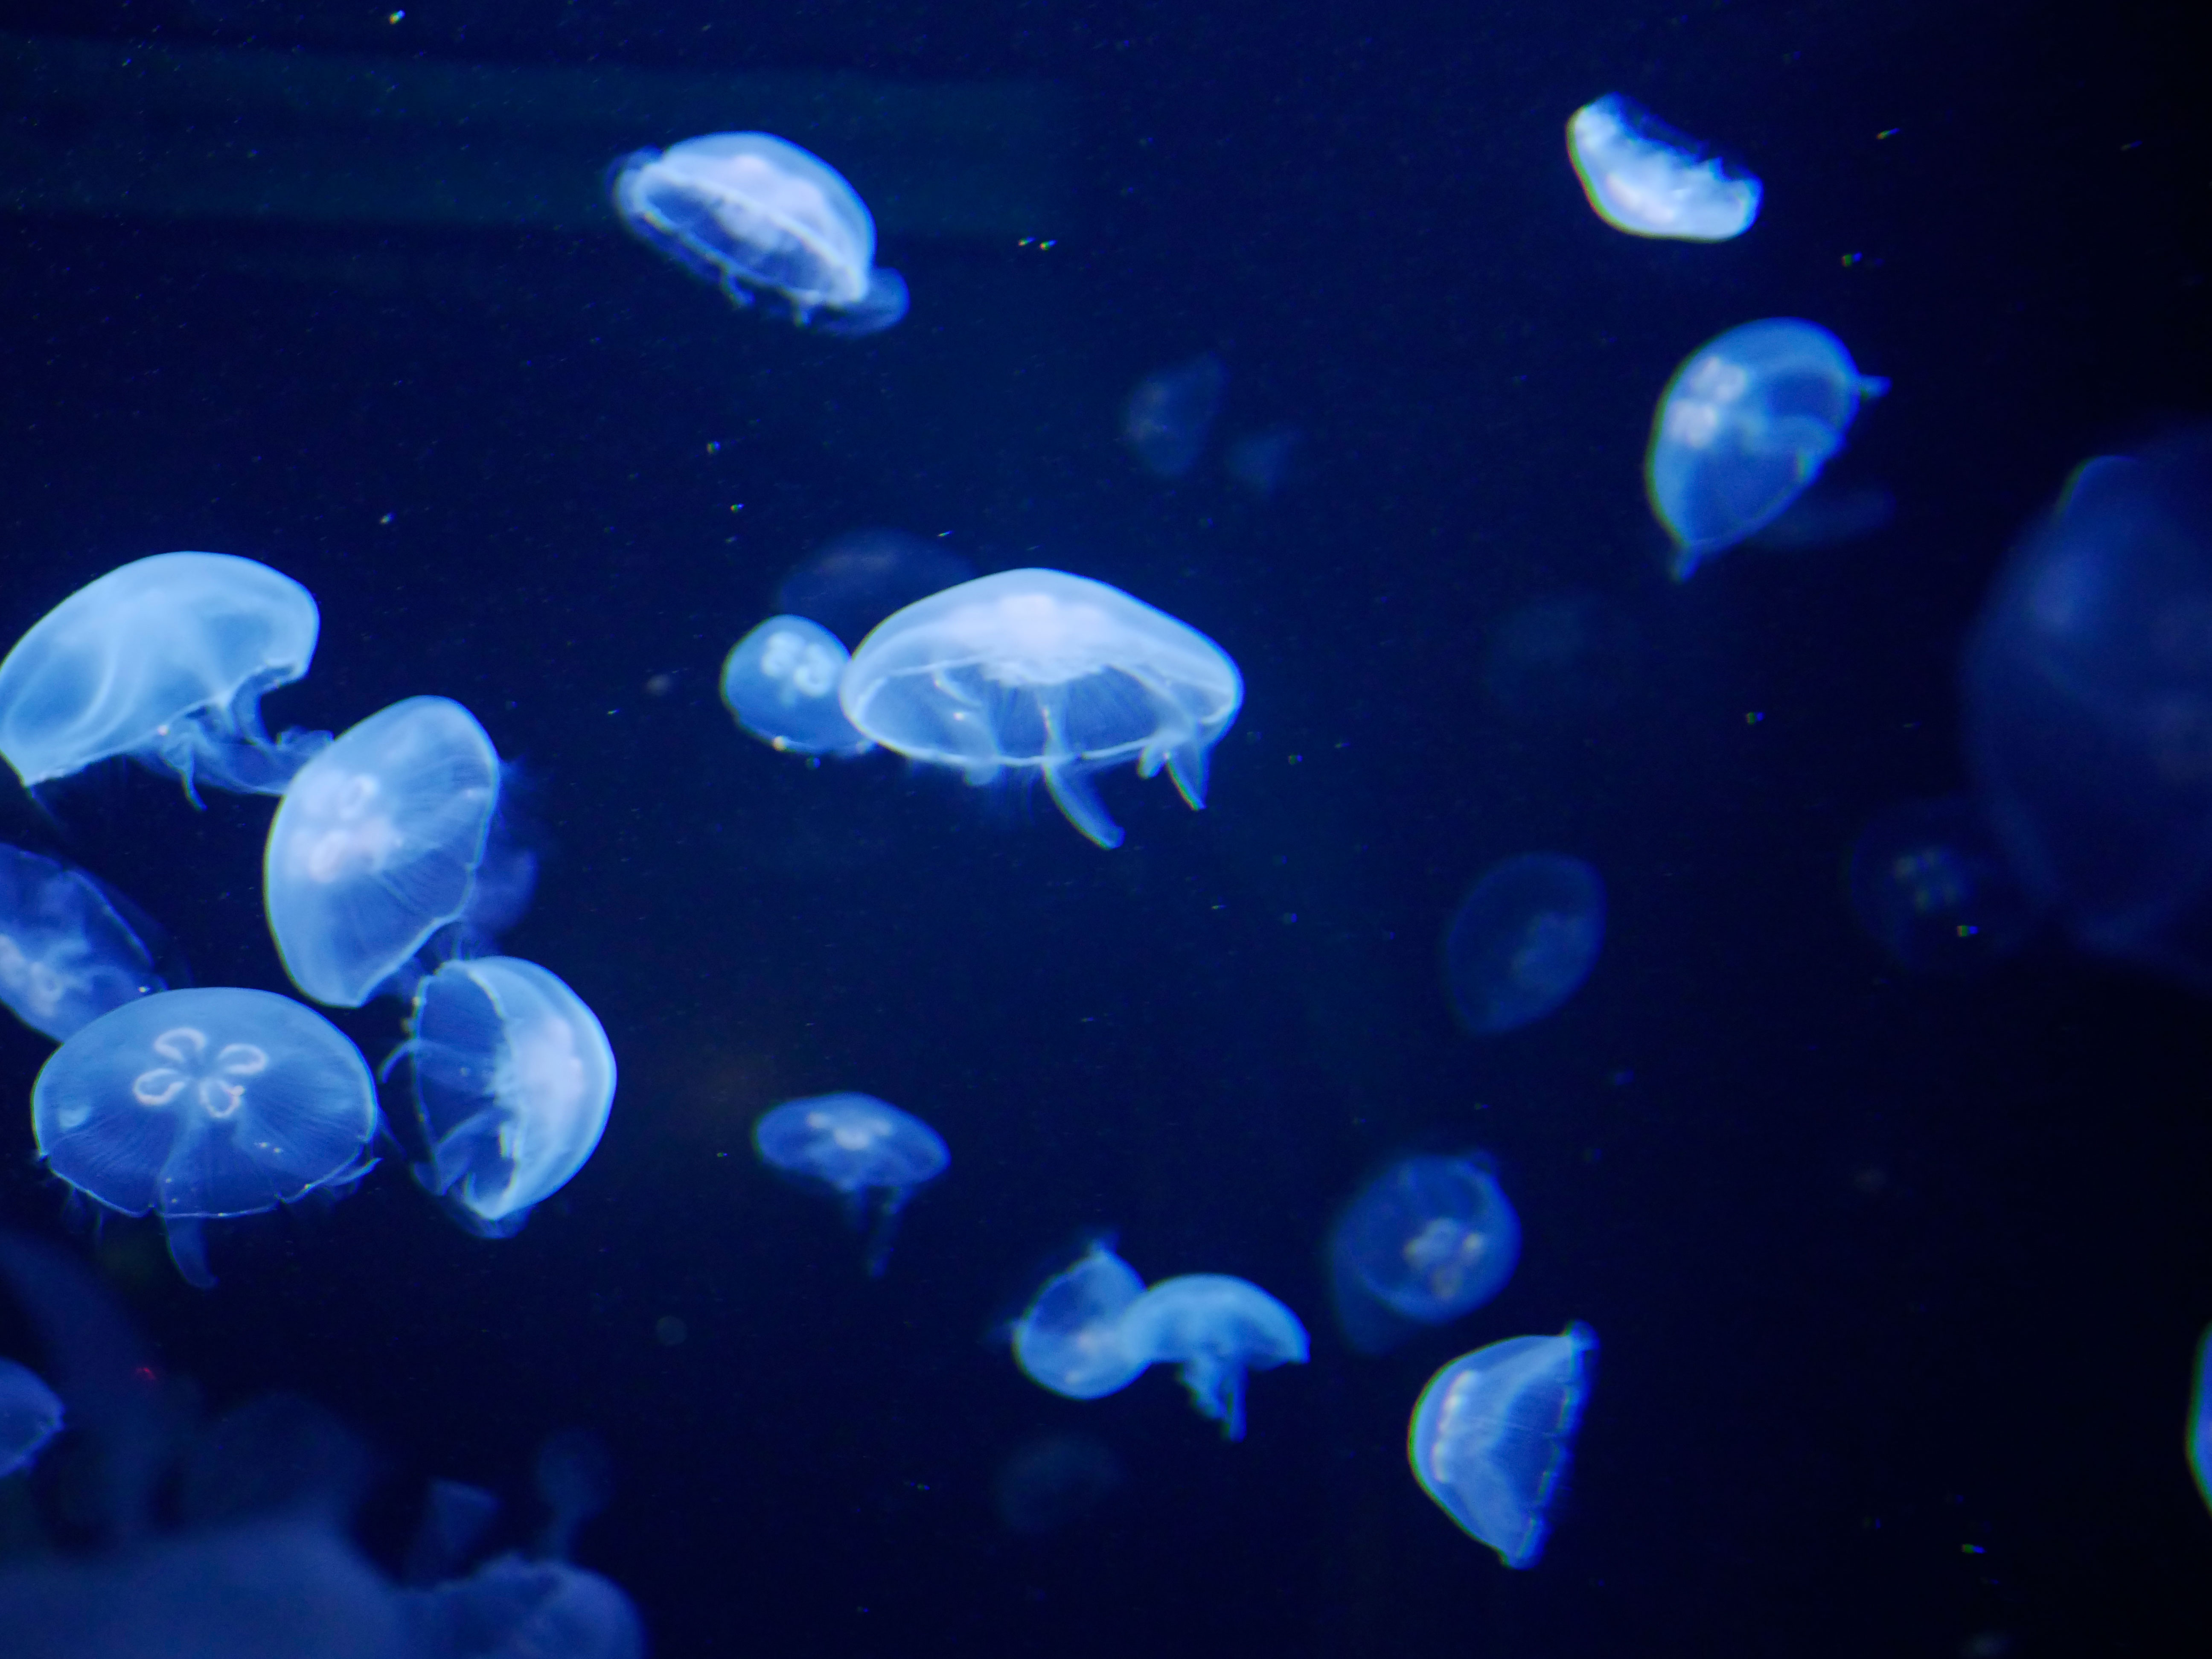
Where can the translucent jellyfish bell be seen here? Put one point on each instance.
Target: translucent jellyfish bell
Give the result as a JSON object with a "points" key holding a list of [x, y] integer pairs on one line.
{"points": [[164, 660], [375, 847], [1748, 421], [1069, 1338], [780, 682], [205, 1104], [1216, 1328], [514, 1082], [30, 1416], [1648, 179], [1490, 1435], [1523, 941], [1169, 414], [855, 579], [763, 217], [1048, 673], [1429, 1239], [1929, 884], [67, 953], [853, 1144]]}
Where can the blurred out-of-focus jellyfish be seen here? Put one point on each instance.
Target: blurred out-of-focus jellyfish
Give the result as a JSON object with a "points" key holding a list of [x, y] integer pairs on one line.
{"points": [[375, 847], [1523, 941], [765, 220], [1747, 421], [1214, 1328], [513, 1081], [1492, 1433], [1171, 412], [1260, 460], [1046, 673], [575, 1474], [67, 954], [1069, 1338], [166, 661], [853, 581], [1931, 885], [1429, 1239], [30, 1416], [1055, 1480], [2088, 708], [513, 1608], [202, 1104], [854, 1144], [780, 682], [2199, 1430], [1648, 179], [1566, 657]]}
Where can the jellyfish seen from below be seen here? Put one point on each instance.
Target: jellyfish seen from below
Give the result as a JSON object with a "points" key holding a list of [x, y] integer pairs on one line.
{"points": [[202, 1104], [1644, 178], [1492, 1433], [1215, 1328], [1746, 424], [1171, 411], [1931, 885], [67, 952], [853, 1145], [2087, 685], [30, 1416], [1044, 674], [1523, 941], [1069, 1338], [764, 220], [780, 683], [514, 1082], [853, 581], [166, 661], [2199, 1429], [1429, 1239], [376, 846]]}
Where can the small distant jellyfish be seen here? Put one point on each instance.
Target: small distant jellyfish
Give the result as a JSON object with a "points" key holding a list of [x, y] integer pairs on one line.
{"points": [[853, 1145], [1429, 1239], [1931, 885], [514, 1084], [1171, 412], [1566, 657], [1069, 1338], [202, 1104], [780, 683], [853, 581], [164, 660], [30, 1416], [67, 954], [1214, 1328], [1746, 424], [1492, 1433], [765, 220], [1648, 179], [1053, 1480], [1046, 674], [1523, 941]]}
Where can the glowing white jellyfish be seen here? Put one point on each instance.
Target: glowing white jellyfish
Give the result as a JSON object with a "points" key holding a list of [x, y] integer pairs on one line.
{"points": [[1213, 1328], [1648, 179], [853, 1145], [1069, 1338], [780, 683]]}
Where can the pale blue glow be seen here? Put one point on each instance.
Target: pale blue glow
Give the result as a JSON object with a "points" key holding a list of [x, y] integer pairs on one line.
{"points": [[1429, 1239], [1171, 412], [2200, 1420], [854, 1144], [1215, 1328], [780, 683], [30, 1416], [1069, 1338], [1523, 941], [1644, 178], [67, 955]]}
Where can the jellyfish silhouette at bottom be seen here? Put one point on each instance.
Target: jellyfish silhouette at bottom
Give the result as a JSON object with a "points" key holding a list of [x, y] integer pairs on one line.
{"points": [[1069, 1338], [1215, 1328], [854, 1144], [1490, 1435], [1427, 1240]]}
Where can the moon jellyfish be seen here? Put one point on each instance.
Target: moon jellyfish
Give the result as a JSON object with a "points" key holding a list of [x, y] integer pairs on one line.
{"points": [[514, 1082], [1053, 1480], [67, 953], [1748, 421], [1429, 1239], [853, 581], [1171, 412], [1046, 673], [1490, 1434], [1648, 179], [764, 219], [780, 682], [1069, 1340], [375, 847], [1215, 1328], [1523, 941], [1930, 884], [854, 1144], [1261, 461], [166, 661], [2088, 708], [202, 1104], [1567, 657], [30, 1416], [2199, 1429]]}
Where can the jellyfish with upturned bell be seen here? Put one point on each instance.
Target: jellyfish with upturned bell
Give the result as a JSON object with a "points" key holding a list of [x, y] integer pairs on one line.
{"points": [[854, 1145], [1069, 1338], [70, 947], [1213, 1328], [1644, 178], [1427, 1240]]}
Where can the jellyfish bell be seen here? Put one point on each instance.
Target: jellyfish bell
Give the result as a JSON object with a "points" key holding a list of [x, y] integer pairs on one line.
{"points": [[855, 579], [779, 683], [164, 661], [1050, 675], [1171, 412], [1068, 1340], [1644, 178], [1523, 942], [854, 1144], [764, 220], [69, 952], [1214, 1328], [1427, 1240], [1930, 884]]}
